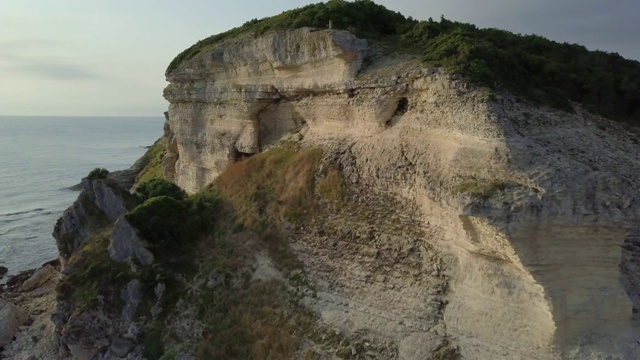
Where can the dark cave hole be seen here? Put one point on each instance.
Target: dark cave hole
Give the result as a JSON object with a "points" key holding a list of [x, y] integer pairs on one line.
{"points": [[403, 106]]}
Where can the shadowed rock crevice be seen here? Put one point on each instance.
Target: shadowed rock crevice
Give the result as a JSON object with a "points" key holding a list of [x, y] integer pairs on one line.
{"points": [[630, 269], [401, 109]]}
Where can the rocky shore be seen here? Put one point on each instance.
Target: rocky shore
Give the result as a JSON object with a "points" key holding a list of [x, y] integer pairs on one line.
{"points": [[27, 302]]}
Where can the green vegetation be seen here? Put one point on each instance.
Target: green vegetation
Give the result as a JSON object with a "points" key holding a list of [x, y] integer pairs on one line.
{"points": [[153, 348], [95, 275], [153, 160], [527, 65], [362, 17], [216, 234], [160, 187], [98, 174], [219, 231], [168, 218]]}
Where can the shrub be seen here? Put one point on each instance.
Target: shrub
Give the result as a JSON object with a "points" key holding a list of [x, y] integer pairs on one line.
{"points": [[98, 174], [160, 187], [153, 347], [159, 219]]}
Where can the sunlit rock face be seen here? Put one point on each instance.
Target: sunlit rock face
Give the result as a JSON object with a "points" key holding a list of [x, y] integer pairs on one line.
{"points": [[529, 207]]}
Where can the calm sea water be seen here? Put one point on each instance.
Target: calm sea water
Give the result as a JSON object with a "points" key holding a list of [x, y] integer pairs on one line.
{"points": [[40, 158]]}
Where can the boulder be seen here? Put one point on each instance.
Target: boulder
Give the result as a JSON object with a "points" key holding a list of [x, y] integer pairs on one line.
{"points": [[121, 347], [124, 244], [85, 334], [132, 296], [39, 278], [3, 271], [11, 317]]}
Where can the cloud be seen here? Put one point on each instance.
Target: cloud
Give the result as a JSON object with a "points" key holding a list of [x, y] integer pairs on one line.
{"points": [[48, 69], [35, 44], [56, 71]]}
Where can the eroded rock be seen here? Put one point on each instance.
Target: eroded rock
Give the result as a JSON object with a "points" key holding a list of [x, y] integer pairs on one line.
{"points": [[11, 318], [86, 333], [38, 278], [124, 244]]}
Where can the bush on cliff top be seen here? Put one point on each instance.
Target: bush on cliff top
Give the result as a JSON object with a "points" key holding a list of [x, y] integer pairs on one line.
{"points": [[160, 187], [98, 174], [528, 65]]}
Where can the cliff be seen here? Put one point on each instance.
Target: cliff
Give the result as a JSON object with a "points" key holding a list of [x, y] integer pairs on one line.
{"points": [[347, 202], [528, 207]]}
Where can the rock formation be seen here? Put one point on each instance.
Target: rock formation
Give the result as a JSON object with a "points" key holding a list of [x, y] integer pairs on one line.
{"points": [[11, 317], [528, 207], [475, 225], [91, 233]]}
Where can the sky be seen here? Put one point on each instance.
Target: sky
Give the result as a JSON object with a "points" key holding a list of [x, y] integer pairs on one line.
{"points": [[79, 57]]}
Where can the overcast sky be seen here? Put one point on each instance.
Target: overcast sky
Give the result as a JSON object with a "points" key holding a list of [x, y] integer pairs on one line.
{"points": [[80, 57]]}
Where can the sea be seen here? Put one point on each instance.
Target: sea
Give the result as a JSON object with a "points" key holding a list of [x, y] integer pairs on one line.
{"points": [[41, 157]]}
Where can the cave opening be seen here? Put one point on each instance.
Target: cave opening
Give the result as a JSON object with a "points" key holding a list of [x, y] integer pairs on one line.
{"points": [[237, 155], [403, 106], [401, 109]]}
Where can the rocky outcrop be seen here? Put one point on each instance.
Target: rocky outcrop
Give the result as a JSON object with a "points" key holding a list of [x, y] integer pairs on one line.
{"points": [[35, 337], [105, 197], [212, 122], [125, 244], [38, 278], [71, 230], [91, 234], [11, 317], [528, 206]]}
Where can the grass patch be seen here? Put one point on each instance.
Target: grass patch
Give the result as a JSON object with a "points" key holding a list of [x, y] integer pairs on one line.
{"points": [[249, 323], [331, 186], [153, 160], [484, 189], [274, 185], [93, 275]]}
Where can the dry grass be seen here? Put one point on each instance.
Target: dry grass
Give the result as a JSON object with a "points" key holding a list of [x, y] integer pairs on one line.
{"points": [[258, 320], [277, 184], [332, 187], [248, 323], [484, 189]]}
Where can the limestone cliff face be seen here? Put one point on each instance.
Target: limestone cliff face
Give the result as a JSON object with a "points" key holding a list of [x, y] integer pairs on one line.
{"points": [[220, 101], [530, 206]]}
